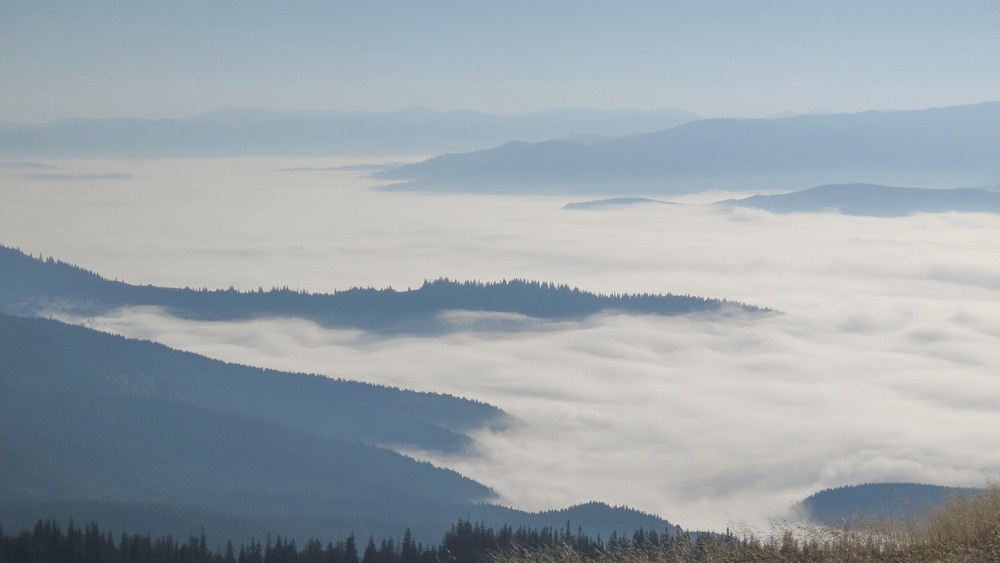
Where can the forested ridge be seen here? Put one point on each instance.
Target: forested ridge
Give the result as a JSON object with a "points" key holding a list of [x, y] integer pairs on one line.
{"points": [[34, 285]]}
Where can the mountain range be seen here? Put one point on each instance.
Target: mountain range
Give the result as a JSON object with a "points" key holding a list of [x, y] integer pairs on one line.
{"points": [[252, 132], [957, 145]]}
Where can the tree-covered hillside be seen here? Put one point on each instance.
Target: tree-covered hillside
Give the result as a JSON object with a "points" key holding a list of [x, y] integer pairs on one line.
{"points": [[131, 433], [96, 417]]}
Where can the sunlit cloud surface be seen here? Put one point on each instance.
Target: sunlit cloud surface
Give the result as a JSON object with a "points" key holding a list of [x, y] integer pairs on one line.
{"points": [[881, 366]]}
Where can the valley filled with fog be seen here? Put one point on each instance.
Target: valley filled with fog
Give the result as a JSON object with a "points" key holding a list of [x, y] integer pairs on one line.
{"points": [[879, 365]]}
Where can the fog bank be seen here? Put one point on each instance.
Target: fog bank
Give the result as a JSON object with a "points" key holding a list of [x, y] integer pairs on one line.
{"points": [[882, 365]]}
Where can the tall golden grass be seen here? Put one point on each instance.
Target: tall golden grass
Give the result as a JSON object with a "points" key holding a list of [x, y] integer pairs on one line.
{"points": [[966, 529]]}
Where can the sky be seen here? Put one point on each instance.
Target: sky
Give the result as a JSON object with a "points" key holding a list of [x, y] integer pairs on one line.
{"points": [[882, 366], [104, 58]]}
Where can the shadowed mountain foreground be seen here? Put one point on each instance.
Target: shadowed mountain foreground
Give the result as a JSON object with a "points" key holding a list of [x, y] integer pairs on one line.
{"points": [[842, 506], [144, 438]]}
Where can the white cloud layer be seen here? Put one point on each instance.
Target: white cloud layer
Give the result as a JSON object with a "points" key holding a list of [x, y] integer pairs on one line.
{"points": [[883, 366]]}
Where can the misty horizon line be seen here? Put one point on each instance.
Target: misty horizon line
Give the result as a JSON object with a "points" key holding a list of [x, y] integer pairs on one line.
{"points": [[418, 108], [334, 112]]}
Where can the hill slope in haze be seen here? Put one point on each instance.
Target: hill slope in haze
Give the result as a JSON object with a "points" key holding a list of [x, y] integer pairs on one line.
{"points": [[31, 286], [614, 202], [877, 501], [131, 433], [95, 417], [78, 361], [940, 146], [874, 200]]}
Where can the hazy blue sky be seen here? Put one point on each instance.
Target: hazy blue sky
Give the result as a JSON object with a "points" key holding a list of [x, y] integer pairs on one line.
{"points": [[714, 57], [718, 57]]}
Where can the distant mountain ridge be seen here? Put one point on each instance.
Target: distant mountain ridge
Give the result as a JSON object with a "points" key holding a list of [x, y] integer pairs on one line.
{"points": [[31, 286], [615, 202], [951, 145], [253, 132], [874, 200]]}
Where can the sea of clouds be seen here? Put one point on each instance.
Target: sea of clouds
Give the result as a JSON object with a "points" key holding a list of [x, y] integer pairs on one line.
{"points": [[882, 365]]}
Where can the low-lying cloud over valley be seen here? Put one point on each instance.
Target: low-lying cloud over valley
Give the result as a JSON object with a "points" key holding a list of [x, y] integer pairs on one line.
{"points": [[881, 364]]}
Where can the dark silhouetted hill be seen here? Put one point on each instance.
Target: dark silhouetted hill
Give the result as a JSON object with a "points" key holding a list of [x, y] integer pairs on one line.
{"points": [[31, 286], [874, 200], [941, 146]]}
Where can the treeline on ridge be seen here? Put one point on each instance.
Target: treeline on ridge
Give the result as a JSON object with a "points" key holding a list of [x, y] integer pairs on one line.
{"points": [[464, 542], [33, 286]]}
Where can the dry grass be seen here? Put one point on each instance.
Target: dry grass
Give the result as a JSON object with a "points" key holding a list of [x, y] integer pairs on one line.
{"points": [[966, 529]]}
